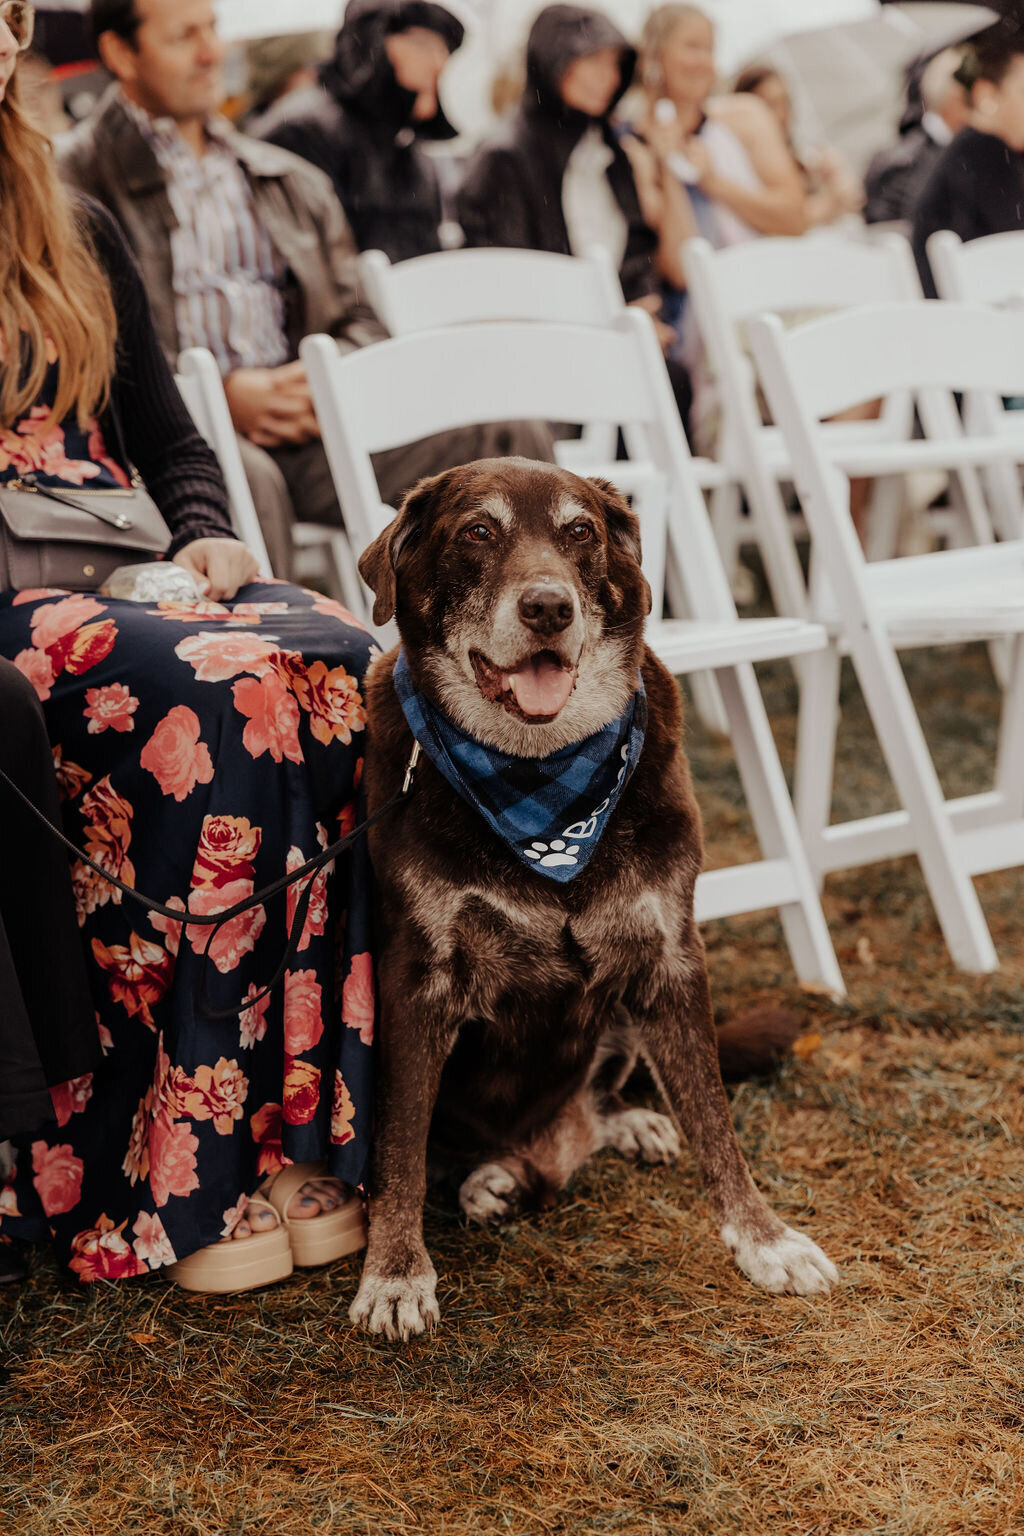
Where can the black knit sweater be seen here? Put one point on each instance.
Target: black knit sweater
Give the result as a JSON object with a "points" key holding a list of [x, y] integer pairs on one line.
{"points": [[146, 418]]}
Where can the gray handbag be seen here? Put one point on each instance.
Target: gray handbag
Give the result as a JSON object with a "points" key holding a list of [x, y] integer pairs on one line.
{"points": [[50, 538]]}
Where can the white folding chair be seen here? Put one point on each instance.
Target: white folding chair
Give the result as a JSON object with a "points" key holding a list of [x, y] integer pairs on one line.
{"points": [[988, 271], [200, 385], [386, 395], [876, 609], [784, 276]]}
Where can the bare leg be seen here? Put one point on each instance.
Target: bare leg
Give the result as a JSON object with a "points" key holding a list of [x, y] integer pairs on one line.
{"points": [[679, 1040]]}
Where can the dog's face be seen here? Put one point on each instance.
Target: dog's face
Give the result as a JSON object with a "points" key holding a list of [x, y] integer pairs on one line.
{"points": [[520, 599]]}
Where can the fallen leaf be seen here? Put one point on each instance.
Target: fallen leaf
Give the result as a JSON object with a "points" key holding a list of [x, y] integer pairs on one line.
{"points": [[144, 1338], [806, 1045], [865, 954]]}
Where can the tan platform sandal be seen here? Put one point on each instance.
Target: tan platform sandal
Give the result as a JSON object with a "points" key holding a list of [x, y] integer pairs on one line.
{"points": [[316, 1239], [221, 1268]]}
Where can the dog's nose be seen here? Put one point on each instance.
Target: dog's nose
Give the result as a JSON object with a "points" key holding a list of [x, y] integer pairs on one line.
{"points": [[546, 607]]}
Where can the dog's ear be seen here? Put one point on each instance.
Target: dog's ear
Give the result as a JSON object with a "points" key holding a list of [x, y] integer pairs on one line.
{"points": [[623, 527], [379, 562]]}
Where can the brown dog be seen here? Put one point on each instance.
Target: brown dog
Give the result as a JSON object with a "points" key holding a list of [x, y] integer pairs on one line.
{"points": [[507, 998]]}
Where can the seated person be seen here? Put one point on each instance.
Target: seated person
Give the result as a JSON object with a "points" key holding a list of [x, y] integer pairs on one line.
{"points": [[741, 175], [897, 174], [201, 752], [245, 250], [559, 179], [376, 98], [832, 189], [976, 187]]}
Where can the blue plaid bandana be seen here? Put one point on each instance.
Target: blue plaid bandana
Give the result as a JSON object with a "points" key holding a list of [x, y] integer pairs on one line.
{"points": [[550, 811]]}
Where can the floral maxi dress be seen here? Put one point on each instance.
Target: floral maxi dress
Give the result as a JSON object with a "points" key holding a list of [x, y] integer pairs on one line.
{"points": [[201, 752]]}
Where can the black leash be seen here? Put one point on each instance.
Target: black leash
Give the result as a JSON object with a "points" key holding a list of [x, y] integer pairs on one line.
{"points": [[217, 920]]}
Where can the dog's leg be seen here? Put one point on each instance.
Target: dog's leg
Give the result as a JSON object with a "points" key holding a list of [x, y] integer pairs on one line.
{"points": [[641, 1134], [679, 1039], [495, 1190], [397, 1293]]}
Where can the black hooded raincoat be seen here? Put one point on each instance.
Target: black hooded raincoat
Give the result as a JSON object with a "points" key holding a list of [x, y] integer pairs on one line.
{"points": [[512, 192], [357, 125]]}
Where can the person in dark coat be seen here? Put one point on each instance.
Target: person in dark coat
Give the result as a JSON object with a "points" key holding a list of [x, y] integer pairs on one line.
{"points": [[362, 123], [561, 179], [513, 194], [977, 185], [48, 1031], [936, 111]]}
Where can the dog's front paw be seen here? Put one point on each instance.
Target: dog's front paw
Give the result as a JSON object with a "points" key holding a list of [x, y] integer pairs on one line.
{"points": [[642, 1134], [790, 1264], [399, 1306], [491, 1193]]}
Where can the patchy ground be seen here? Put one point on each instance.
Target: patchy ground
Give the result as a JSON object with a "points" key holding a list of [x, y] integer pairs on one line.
{"points": [[602, 1367]]}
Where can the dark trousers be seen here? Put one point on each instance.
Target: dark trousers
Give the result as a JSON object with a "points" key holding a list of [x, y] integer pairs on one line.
{"points": [[47, 1025]]}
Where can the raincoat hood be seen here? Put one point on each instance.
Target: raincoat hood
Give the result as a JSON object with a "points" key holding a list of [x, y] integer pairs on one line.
{"points": [[360, 76], [560, 35]]}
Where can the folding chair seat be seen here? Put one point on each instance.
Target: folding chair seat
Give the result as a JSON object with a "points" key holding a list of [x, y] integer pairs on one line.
{"points": [[874, 610], [386, 395]]}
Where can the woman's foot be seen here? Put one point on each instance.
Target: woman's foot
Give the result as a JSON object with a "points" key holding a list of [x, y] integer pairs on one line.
{"points": [[315, 1198]]}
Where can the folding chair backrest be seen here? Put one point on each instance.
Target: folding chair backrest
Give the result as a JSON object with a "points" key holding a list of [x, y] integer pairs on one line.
{"points": [[415, 386], [467, 287], [778, 275], [200, 385], [813, 371], [988, 271], [844, 359]]}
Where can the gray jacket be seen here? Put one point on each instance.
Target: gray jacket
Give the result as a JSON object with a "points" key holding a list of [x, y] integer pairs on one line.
{"points": [[109, 159]]}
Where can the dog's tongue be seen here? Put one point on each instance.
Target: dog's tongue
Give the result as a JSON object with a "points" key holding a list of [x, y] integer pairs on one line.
{"points": [[542, 687]]}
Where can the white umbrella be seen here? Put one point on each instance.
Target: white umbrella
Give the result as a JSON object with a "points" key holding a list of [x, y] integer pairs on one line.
{"points": [[848, 81]]}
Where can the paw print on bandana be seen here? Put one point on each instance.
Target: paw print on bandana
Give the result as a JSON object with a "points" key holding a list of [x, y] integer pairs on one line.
{"points": [[552, 855]]}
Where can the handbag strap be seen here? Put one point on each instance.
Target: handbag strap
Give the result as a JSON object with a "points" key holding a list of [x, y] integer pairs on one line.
{"points": [[112, 519]]}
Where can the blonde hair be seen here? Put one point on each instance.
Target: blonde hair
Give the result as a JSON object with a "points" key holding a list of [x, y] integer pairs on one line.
{"points": [[659, 24], [53, 292]]}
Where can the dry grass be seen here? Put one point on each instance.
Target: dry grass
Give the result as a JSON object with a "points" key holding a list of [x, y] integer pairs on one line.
{"points": [[602, 1367]]}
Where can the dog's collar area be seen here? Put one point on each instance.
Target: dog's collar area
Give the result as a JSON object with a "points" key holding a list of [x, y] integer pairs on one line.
{"points": [[550, 812]]}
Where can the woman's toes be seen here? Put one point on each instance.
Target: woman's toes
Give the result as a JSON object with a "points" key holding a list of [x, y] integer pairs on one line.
{"points": [[241, 1229], [304, 1206], [262, 1221]]}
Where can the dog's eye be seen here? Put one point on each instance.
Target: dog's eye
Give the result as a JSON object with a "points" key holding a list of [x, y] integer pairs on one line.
{"points": [[478, 533], [581, 532]]}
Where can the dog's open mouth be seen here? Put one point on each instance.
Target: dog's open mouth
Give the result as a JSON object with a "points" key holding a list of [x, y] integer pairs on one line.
{"points": [[537, 690]]}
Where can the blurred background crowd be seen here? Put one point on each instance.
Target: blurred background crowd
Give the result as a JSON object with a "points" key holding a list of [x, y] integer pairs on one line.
{"points": [[502, 123]]}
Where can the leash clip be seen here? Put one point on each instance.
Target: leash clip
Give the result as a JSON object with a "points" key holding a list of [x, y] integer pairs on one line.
{"points": [[410, 769]]}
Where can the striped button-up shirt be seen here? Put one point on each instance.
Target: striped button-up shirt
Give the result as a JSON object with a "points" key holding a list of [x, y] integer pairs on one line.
{"points": [[228, 280]]}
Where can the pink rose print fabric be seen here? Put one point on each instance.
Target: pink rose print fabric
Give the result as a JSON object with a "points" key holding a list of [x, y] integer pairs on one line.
{"points": [[201, 752]]}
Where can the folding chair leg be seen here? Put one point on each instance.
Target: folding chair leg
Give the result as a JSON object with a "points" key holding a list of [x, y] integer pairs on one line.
{"points": [[775, 537], [902, 741], [727, 522], [817, 724], [883, 525], [1010, 757], [771, 810], [707, 699]]}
